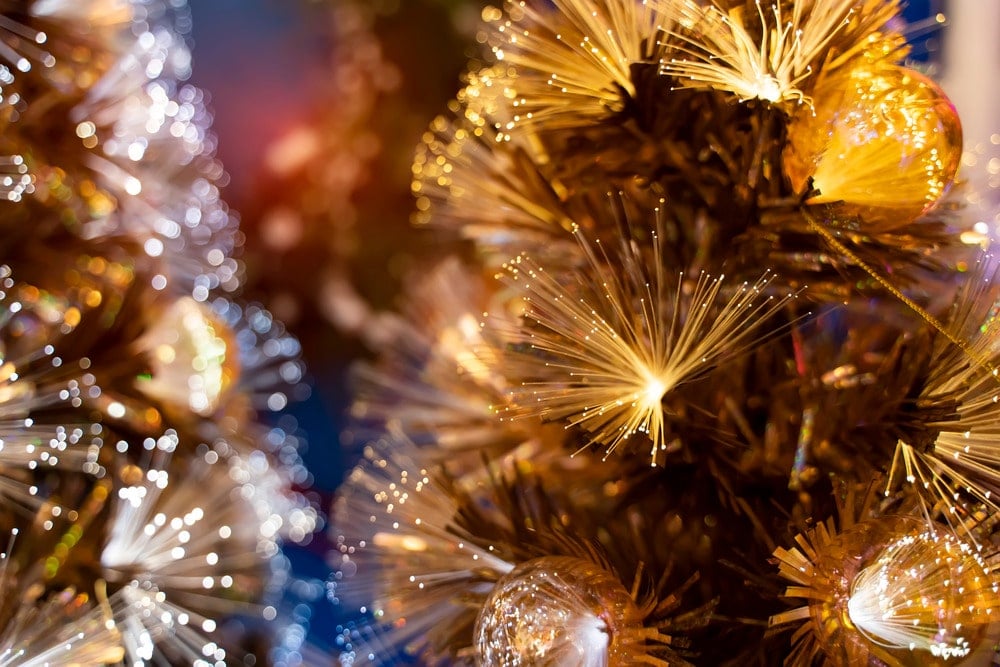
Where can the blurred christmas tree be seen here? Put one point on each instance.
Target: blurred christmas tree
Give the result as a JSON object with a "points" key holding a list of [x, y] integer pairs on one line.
{"points": [[146, 501], [717, 381]]}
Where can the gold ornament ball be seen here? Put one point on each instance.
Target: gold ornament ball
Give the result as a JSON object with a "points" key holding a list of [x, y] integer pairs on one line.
{"points": [[558, 610], [898, 591], [882, 140]]}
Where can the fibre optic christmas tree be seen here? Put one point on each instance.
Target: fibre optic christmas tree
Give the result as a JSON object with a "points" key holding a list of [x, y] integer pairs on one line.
{"points": [[712, 375], [145, 501]]}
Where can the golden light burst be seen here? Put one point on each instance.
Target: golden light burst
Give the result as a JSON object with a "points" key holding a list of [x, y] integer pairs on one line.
{"points": [[770, 54], [398, 557], [926, 591], [63, 629], [60, 46], [955, 457], [572, 65], [43, 621], [471, 180], [52, 52], [42, 425], [485, 100], [435, 561], [439, 377], [606, 343]]}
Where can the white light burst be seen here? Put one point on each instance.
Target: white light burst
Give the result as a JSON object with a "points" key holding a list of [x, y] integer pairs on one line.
{"points": [[15, 181], [151, 155], [148, 620], [957, 458], [603, 347], [184, 547], [22, 45], [721, 49]]}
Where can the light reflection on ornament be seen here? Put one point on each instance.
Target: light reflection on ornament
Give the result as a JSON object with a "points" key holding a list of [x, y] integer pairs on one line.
{"points": [[558, 610], [928, 592], [193, 362], [892, 590], [884, 140]]}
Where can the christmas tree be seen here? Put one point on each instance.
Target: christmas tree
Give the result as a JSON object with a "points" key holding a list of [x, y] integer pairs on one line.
{"points": [[711, 376], [146, 497]]}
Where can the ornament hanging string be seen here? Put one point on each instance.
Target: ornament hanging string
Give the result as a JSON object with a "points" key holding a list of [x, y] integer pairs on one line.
{"points": [[840, 247]]}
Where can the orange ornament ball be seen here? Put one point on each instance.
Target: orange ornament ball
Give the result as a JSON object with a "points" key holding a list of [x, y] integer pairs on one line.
{"points": [[883, 142]]}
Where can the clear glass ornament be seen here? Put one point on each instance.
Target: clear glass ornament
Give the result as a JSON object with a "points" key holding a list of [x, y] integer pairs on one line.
{"points": [[558, 611], [897, 591]]}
